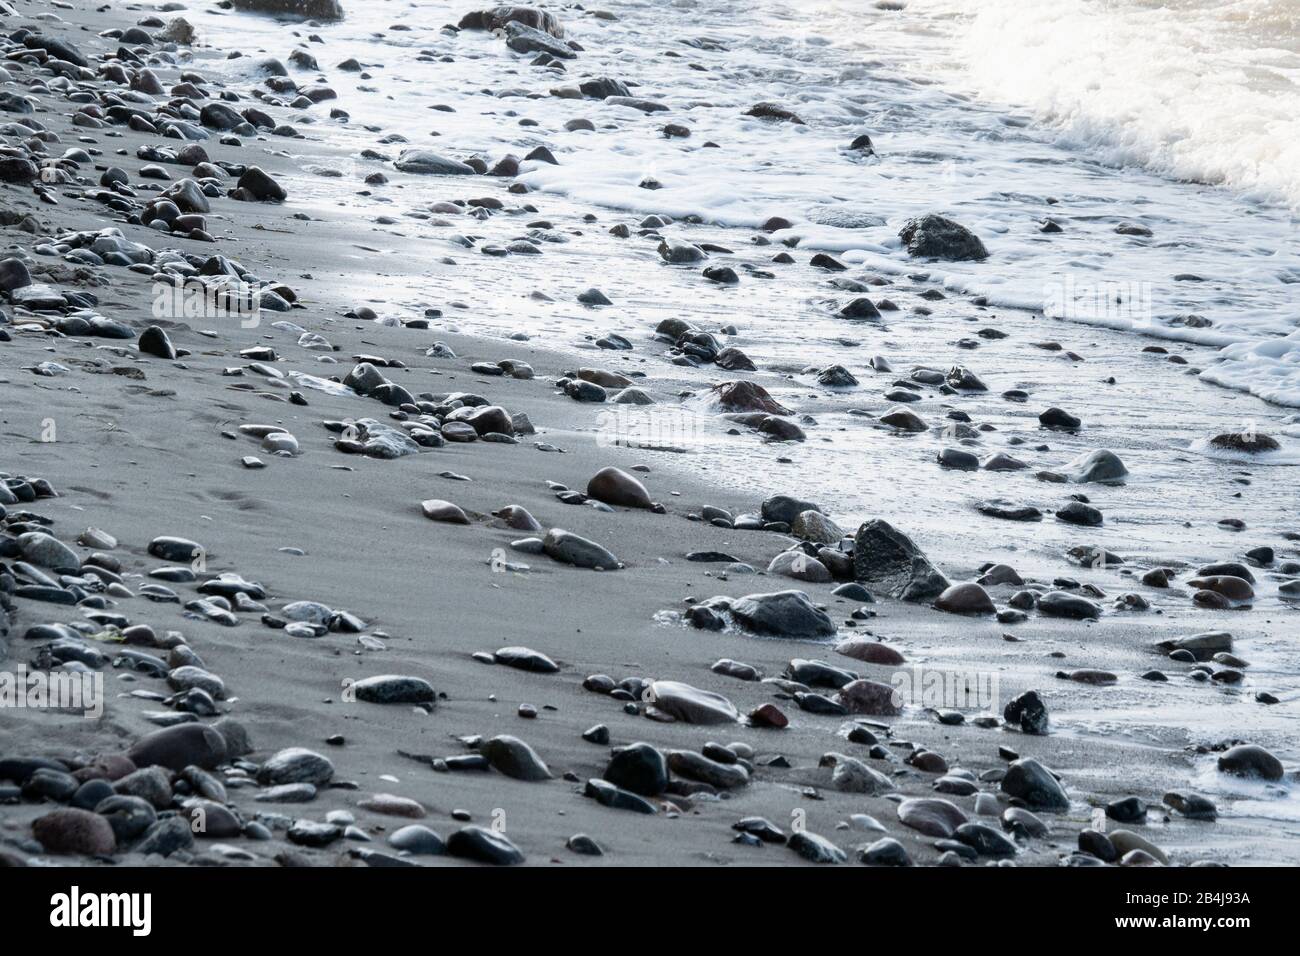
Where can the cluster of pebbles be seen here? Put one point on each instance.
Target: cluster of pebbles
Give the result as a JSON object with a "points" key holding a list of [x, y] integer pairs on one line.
{"points": [[197, 789]]}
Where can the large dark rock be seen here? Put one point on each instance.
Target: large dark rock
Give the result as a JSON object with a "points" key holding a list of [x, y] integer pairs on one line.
{"points": [[887, 558], [178, 747], [934, 237], [783, 614], [496, 18], [311, 9], [1033, 783], [639, 768], [429, 163]]}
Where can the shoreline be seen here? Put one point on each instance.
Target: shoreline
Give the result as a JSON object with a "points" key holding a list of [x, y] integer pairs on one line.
{"points": [[369, 549]]}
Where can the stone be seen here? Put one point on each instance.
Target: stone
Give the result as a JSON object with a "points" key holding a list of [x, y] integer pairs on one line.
{"points": [[1101, 466], [296, 765], [1028, 712], [966, 598], [1250, 760], [569, 548], [884, 852], [870, 697], [74, 831], [418, 840], [427, 162], [886, 557], [691, 704], [514, 758], [1033, 783], [931, 816], [870, 651], [782, 614], [639, 768], [393, 689], [178, 747], [484, 846], [435, 509], [815, 848], [616, 487], [934, 237]]}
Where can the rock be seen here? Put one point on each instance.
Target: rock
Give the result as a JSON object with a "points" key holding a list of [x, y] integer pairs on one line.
{"points": [[1250, 760], [965, 598], [70, 830], [1191, 805], [870, 651], [1033, 783], [886, 557], [178, 747], [985, 840], [179, 550], [128, 816], [934, 237], [1022, 823], [525, 659], [680, 253], [690, 704], [1028, 712], [696, 766], [524, 39], [391, 805], [608, 795], [1076, 512], [496, 18], [812, 525], [148, 783], [1067, 605], [584, 845], [256, 185], [48, 552], [1201, 646], [931, 816], [569, 548], [871, 698], [783, 614], [796, 564], [427, 162], [639, 768], [14, 275], [884, 852], [484, 846], [418, 840], [850, 775], [309, 9], [1126, 841], [616, 487], [1100, 466], [296, 765], [154, 341], [786, 509], [514, 758], [1059, 418], [435, 509], [393, 689], [1252, 443], [815, 848], [747, 397]]}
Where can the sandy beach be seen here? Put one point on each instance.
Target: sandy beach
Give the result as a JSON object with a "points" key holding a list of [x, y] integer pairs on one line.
{"points": [[366, 533]]}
